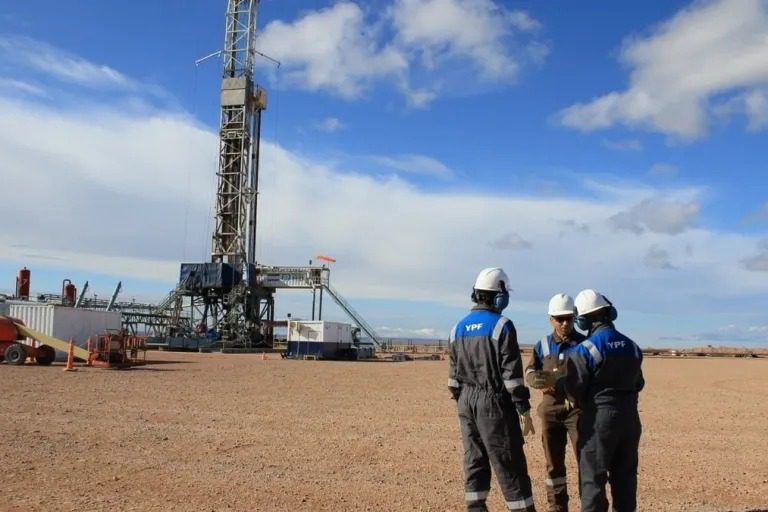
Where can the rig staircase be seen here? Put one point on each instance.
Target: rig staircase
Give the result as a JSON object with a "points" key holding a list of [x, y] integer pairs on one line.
{"points": [[169, 301], [349, 310]]}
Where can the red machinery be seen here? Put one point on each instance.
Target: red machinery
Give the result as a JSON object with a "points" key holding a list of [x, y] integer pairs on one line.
{"points": [[17, 353], [22, 284], [68, 293], [118, 349]]}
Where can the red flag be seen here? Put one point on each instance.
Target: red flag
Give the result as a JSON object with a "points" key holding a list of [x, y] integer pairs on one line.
{"points": [[326, 258]]}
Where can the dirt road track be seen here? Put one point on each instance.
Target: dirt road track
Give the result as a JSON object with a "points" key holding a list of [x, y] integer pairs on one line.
{"points": [[214, 432]]}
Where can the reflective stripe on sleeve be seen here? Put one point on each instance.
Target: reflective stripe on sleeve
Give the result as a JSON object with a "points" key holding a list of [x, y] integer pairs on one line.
{"points": [[499, 327], [520, 504], [475, 495], [593, 350], [555, 481], [453, 383], [637, 351], [544, 346], [452, 335], [513, 383]]}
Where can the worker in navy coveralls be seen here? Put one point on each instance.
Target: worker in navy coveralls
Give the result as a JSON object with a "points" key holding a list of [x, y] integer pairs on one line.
{"points": [[486, 380], [604, 377]]}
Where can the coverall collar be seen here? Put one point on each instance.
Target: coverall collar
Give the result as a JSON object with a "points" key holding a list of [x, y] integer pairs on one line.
{"points": [[569, 339], [600, 326], [484, 307]]}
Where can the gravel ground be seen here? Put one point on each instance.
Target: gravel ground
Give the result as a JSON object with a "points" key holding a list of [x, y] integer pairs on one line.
{"points": [[215, 432]]}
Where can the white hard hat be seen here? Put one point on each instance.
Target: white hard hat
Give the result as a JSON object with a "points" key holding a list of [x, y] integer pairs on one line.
{"points": [[588, 301], [561, 304], [490, 279]]}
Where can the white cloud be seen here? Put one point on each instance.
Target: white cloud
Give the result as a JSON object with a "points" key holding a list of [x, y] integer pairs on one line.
{"points": [[44, 58], [419, 98], [510, 242], [11, 85], [331, 49], [573, 226], [330, 125], [663, 170], [120, 196], [130, 194], [759, 216], [658, 215], [415, 164], [414, 45], [752, 104], [758, 262], [710, 52], [438, 30], [623, 144], [657, 258]]}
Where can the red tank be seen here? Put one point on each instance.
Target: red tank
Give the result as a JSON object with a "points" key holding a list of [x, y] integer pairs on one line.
{"points": [[69, 292], [22, 284]]}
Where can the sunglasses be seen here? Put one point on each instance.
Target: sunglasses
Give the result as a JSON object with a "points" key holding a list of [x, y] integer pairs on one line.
{"points": [[562, 319]]}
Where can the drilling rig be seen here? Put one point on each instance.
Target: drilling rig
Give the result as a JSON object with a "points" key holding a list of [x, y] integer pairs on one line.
{"points": [[225, 292], [231, 298]]}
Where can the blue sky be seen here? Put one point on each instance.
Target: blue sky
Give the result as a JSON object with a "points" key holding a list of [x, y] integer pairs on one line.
{"points": [[416, 141]]}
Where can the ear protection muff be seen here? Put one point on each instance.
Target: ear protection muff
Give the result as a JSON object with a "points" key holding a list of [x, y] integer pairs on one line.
{"points": [[613, 313], [583, 323], [501, 300], [473, 296]]}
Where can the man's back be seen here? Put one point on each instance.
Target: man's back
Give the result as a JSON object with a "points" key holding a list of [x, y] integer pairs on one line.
{"points": [[605, 369], [475, 343]]}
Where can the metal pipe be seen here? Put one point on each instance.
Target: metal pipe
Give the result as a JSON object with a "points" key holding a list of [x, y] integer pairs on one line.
{"points": [[81, 298], [114, 296], [314, 294]]}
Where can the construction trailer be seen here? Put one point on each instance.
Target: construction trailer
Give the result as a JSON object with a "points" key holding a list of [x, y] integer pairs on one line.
{"points": [[63, 322], [324, 340]]}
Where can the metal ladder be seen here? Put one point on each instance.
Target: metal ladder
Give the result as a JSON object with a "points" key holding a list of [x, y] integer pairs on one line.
{"points": [[343, 304]]}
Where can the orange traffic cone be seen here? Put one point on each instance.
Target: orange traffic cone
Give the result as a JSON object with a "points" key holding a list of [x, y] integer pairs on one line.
{"points": [[71, 357], [88, 346]]}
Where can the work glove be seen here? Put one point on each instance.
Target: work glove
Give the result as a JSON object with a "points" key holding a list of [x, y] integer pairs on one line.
{"points": [[455, 392], [526, 423], [568, 405], [543, 379]]}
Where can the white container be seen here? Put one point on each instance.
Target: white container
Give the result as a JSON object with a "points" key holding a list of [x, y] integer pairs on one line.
{"points": [[320, 331], [65, 322]]}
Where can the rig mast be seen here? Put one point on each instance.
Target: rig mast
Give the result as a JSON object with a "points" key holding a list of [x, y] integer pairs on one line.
{"points": [[234, 236], [231, 304]]}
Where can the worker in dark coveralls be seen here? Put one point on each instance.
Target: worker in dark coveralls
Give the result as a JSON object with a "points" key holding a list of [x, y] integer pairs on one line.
{"points": [[486, 380], [559, 417], [603, 378]]}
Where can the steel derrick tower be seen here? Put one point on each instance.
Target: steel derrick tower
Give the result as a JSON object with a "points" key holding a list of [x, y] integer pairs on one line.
{"points": [[225, 301], [234, 235]]}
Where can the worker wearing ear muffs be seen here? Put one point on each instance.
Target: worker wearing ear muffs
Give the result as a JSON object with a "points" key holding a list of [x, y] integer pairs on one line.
{"points": [[486, 379], [604, 377]]}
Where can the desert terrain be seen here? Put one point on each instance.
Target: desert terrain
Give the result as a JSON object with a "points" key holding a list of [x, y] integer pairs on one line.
{"points": [[220, 432]]}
